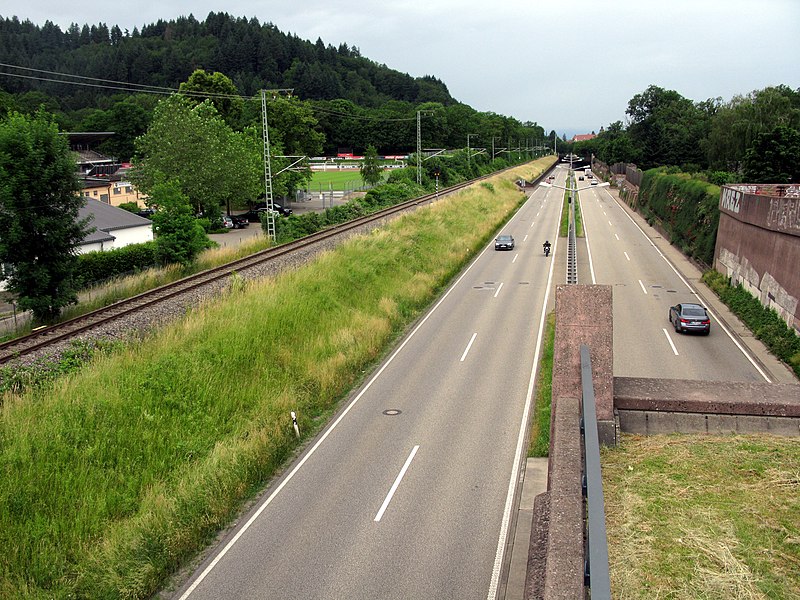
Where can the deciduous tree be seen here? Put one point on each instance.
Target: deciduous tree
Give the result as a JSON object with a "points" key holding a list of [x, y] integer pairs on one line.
{"points": [[371, 171], [39, 225]]}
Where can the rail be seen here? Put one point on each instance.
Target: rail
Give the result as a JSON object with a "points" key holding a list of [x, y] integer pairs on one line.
{"points": [[51, 335], [596, 572]]}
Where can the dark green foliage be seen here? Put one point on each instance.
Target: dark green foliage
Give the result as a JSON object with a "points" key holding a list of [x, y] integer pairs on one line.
{"points": [[39, 203], [357, 101], [179, 236], [764, 322], [96, 267], [774, 157], [687, 208], [129, 206], [371, 171]]}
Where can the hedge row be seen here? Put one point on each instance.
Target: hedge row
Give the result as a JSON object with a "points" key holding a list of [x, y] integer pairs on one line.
{"points": [[764, 322], [688, 209], [96, 267]]}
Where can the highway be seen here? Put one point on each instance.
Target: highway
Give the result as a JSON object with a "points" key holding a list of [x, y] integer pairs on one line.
{"points": [[408, 492], [617, 252]]}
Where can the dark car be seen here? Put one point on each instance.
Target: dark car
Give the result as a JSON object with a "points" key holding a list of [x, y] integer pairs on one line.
{"points": [[689, 317], [240, 221], [504, 242], [277, 206]]}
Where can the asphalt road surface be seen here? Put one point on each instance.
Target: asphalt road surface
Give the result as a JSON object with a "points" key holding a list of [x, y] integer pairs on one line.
{"points": [[407, 494]]}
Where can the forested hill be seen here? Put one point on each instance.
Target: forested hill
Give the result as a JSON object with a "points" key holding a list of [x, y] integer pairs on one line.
{"points": [[252, 54]]}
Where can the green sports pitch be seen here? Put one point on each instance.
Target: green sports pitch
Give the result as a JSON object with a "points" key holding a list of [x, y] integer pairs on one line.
{"points": [[337, 180]]}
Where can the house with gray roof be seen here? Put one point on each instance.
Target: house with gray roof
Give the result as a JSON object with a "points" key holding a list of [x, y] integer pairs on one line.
{"points": [[110, 227], [113, 227]]}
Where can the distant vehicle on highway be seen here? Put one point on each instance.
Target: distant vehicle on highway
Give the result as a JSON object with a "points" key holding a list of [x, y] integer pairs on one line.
{"points": [[580, 177], [504, 242], [690, 317], [594, 181]]}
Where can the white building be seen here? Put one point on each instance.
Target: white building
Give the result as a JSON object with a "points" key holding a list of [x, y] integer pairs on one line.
{"points": [[113, 228]]}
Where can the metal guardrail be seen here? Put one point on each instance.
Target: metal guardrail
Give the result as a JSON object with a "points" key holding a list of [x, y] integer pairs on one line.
{"points": [[596, 572], [572, 245]]}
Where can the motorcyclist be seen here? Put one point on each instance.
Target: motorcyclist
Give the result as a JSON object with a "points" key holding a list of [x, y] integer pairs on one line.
{"points": [[546, 247]]}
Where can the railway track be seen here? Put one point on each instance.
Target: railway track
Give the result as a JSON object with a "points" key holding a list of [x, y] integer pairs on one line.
{"points": [[49, 337]]}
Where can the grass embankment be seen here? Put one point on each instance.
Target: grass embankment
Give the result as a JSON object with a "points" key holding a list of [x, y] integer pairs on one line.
{"points": [[117, 474], [703, 517], [539, 444]]}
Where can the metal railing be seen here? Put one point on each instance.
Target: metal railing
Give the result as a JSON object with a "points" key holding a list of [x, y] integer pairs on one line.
{"points": [[596, 573], [572, 245]]}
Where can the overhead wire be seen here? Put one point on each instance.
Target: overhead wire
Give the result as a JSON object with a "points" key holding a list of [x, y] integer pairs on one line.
{"points": [[152, 89]]}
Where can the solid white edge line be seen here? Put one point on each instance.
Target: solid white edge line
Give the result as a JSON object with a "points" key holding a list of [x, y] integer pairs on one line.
{"points": [[512, 485], [324, 436], [644, 289], [669, 339], [395, 485], [500, 287], [692, 290], [466, 350]]}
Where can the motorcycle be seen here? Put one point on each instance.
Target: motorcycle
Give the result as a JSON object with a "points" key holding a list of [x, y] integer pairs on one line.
{"points": [[547, 250]]}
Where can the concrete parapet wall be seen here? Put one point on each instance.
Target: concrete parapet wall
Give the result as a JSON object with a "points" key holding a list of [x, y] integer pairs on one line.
{"points": [[563, 570], [584, 316], [654, 406]]}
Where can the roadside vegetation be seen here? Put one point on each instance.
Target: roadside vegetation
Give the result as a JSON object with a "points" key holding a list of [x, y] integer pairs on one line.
{"points": [[539, 444], [117, 474], [696, 516], [764, 322]]}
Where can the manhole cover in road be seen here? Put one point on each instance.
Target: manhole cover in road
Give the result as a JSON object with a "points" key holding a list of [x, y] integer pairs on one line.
{"points": [[392, 412]]}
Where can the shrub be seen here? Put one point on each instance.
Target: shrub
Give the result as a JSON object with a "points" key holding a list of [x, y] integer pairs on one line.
{"points": [[764, 322], [96, 267]]}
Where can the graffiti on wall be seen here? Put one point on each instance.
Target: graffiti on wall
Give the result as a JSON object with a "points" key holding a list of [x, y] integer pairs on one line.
{"points": [[784, 214]]}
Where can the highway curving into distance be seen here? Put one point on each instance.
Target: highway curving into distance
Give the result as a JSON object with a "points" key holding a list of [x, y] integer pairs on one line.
{"points": [[408, 492]]}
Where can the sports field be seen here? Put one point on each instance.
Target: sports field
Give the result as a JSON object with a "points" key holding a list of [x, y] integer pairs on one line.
{"points": [[337, 180]]}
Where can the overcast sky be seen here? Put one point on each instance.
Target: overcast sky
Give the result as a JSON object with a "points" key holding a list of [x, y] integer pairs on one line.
{"points": [[569, 66]]}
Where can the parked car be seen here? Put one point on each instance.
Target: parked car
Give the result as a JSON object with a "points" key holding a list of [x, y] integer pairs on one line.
{"points": [[580, 177], [504, 242], [147, 213], [227, 222], [279, 208], [239, 221], [690, 317]]}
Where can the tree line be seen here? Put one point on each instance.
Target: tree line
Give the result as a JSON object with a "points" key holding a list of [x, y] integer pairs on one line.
{"points": [[355, 101], [753, 138]]}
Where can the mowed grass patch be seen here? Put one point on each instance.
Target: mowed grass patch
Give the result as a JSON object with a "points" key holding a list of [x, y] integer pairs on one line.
{"points": [[337, 180], [703, 517], [115, 476]]}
